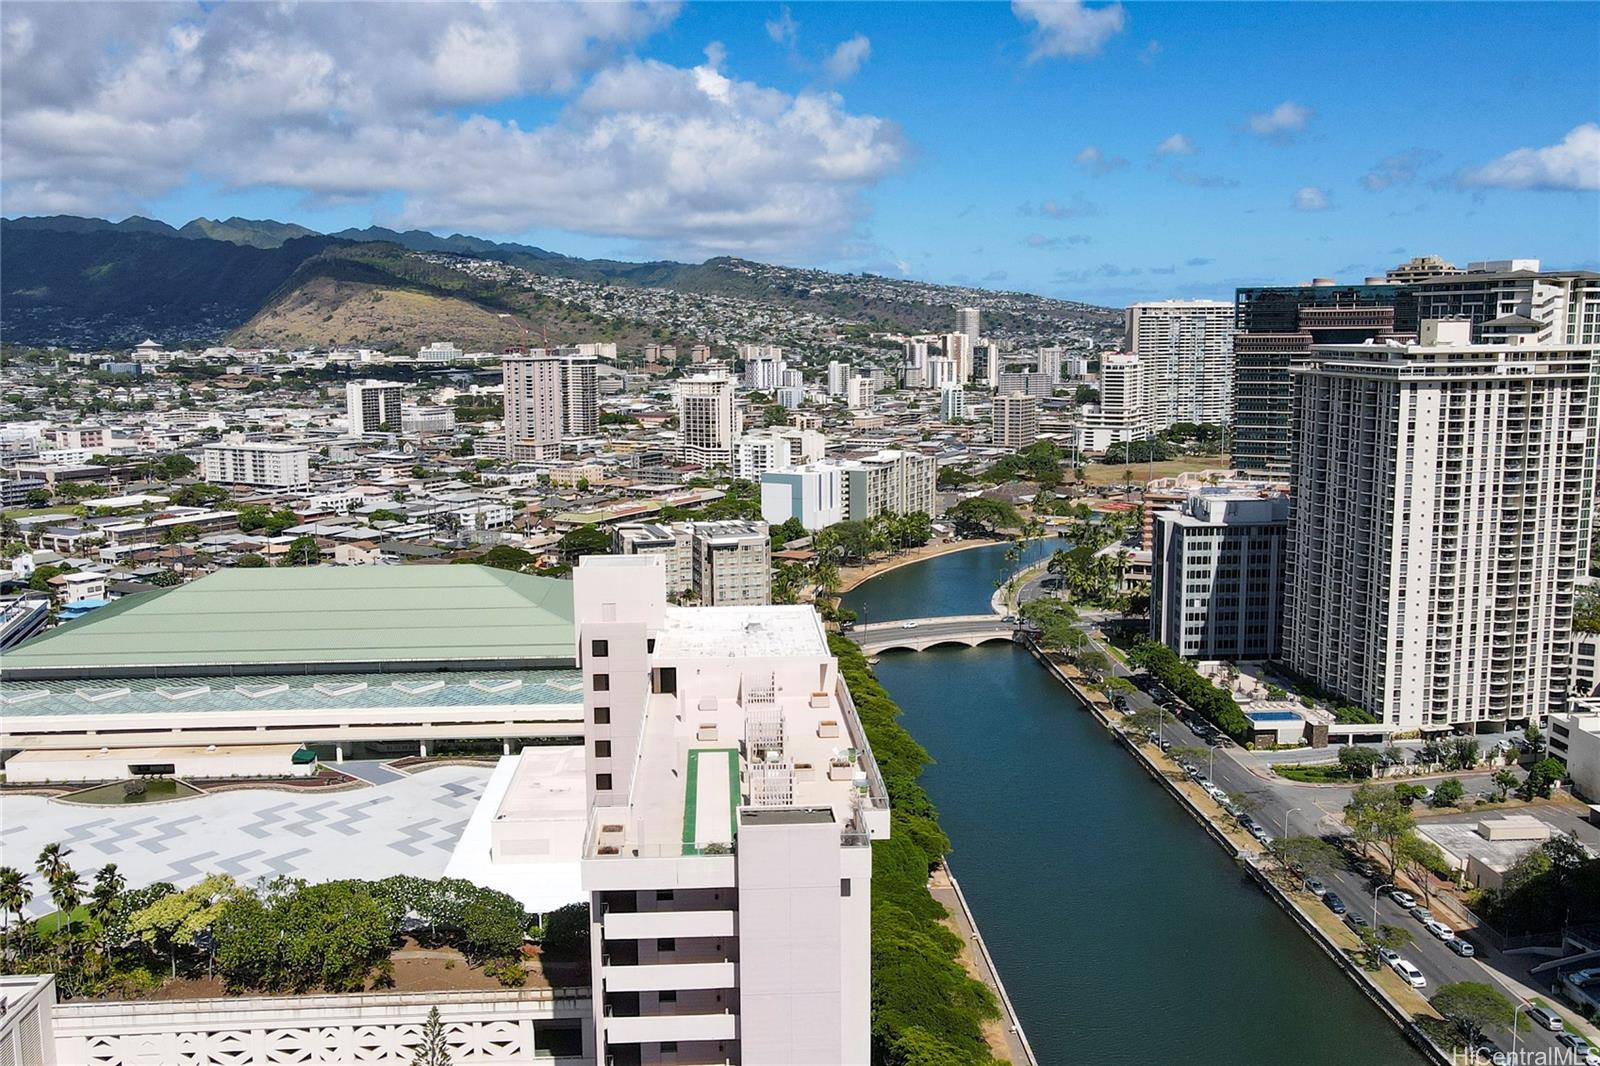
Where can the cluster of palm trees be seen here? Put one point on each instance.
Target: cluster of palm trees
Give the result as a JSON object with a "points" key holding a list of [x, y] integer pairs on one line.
{"points": [[68, 892], [845, 543]]}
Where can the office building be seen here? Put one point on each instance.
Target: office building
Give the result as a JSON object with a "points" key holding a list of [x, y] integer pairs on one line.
{"points": [[439, 352], [1442, 503], [259, 464], [580, 395], [986, 363], [1575, 740], [728, 860], [1275, 329], [708, 420], [713, 563], [1015, 419], [1418, 268], [967, 324], [1514, 299], [952, 403], [756, 454], [805, 445], [373, 406], [415, 418], [1216, 579], [533, 409], [813, 493], [1186, 347], [1121, 416]]}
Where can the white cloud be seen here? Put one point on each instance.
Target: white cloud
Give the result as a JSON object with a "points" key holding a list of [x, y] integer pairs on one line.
{"points": [[1068, 28], [1572, 164], [339, 106], [1310, 198], [1150, 53], [783, 29], [1097, 163], [1399, 169], [1281, 123], [1177, 144], [846, 59]]}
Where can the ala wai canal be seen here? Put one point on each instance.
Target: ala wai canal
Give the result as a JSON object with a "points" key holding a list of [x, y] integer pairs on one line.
{"points": [[1123, 934]]}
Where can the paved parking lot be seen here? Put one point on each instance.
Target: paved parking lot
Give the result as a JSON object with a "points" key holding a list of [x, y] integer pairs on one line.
{"points": [[408, 825]]}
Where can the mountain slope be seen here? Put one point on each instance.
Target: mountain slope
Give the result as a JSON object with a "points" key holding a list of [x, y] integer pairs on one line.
{"points": [[117, 286], [264, 233]]}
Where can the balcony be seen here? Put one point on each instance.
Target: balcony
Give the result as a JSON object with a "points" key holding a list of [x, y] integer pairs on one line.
{"points": [[673, 977], [650, 925], [681, 1027]]}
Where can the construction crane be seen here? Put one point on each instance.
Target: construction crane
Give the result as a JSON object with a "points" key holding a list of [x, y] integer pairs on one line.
{"points": [[544, 337]]}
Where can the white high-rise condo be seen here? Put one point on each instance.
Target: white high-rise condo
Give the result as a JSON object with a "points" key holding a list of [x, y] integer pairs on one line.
{"points": [[1442, 509], [268, 465], [373, 406], [1122, 415], [1186, 347], [708, 420], [580, 395], [533, 405], [734, 799]]}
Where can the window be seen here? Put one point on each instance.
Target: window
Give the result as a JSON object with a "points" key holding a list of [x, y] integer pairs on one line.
{"points": [[602, 782], [669, 1047], [844, 886], [667, 679], [664, 895], [601, 683], [666, 943], [602, 716], [668, 996], [599, 648], [650, 645], [602, 749]]}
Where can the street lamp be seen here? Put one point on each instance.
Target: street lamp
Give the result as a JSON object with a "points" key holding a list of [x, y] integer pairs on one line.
{"points": [[1380, 888], [1521, 1004], [1291, 810]]}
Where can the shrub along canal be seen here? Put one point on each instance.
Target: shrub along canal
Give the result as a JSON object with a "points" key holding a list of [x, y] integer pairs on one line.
{"points": [[1122, 933]]}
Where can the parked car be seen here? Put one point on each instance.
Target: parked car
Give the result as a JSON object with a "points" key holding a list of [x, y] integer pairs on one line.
{"points": [[1546, 1018], [1316, 888], [1388, 955], [1409, 973], [1580, 1048], [1356, 922], [908, 625], [1334, 903], [1439, 929], [1405, 899], [1166, 745], [1460, 947], [1421, 914]]}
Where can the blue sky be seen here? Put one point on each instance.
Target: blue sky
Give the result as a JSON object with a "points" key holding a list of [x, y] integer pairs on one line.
{"points": [[1100, 152]]}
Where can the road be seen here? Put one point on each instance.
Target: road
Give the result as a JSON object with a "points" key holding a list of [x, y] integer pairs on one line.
{"points": [[1286, 808]]}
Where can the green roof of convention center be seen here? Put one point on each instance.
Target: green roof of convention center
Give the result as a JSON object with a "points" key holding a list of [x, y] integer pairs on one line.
{"points": [[294, 619]]}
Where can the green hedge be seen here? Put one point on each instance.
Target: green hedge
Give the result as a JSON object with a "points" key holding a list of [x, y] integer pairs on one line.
{"points": [[926, 1009], [1182, 680]]}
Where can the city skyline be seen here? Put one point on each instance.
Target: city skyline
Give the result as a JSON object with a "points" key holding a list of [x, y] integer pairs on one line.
{"points": [[787, 134]]}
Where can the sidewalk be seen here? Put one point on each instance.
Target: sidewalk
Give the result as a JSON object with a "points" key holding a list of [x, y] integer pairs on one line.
{"points": [[1005, 1036]]}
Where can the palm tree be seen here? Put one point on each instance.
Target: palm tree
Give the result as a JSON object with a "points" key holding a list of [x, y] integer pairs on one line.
{"points": [[105, 899], [14, 896], [59, 877]]}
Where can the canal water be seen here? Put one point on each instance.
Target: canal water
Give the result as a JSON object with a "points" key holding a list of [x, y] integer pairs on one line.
{"points": [[1123, 934]]}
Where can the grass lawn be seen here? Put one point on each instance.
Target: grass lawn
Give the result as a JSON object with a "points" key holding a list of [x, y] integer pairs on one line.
{"points": [[1315, 774], [33, 512], [1111, 473], [48, 923]]}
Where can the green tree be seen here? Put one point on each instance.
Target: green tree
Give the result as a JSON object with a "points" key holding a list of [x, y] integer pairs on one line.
{"points": [[1470, 1007], [37, 498], [1374, 941], [1422, 861], [1542, 778], [979, 516], [302, 551], [1504, 781], [166, 579], [105, 899], [250, 561], [1449, 792], [1358, 762], [788, 530], [176, 920], [1377, 818], [432, 1048], [1311, 855], [585, 540]]}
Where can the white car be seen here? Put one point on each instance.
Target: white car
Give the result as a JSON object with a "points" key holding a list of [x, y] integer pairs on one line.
{"points": [[1405, 899], [1439, 929], [1409, 973], [908, 625], [1389, 956], [1580, 1048]]}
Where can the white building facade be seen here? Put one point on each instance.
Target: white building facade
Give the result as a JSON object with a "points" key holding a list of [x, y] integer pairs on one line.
{"points": [[259, 464], [1216, 578], [1186, 347]]}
